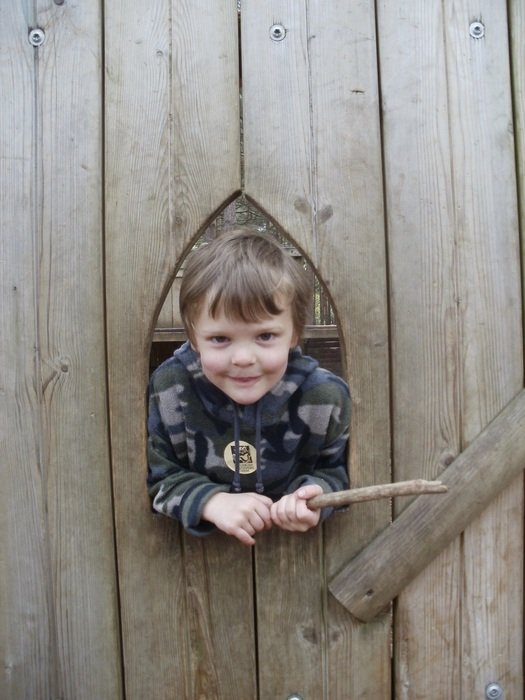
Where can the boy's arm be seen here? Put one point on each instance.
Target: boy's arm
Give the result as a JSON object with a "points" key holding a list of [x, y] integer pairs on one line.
{"points": [[174, 488], [330, 471]]}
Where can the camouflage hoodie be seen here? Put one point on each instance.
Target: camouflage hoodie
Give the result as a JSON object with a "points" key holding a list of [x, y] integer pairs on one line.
{"points": [[200, 442]]}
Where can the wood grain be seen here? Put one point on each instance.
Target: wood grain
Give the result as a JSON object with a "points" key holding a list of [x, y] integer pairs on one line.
{"points": [[412, 487], [455, 314], [278, 180], [172, 111], [351, 258], [59, 562], [491, 350], [423, 320], [312, 150]]}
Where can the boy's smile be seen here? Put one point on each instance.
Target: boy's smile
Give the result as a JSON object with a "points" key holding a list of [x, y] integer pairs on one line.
{"points": [[244, 360]]}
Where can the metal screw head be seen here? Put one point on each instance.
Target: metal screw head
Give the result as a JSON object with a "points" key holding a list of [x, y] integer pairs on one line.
{"points": [[477, 30], [493, 691], [277, 32], [36, 37]]}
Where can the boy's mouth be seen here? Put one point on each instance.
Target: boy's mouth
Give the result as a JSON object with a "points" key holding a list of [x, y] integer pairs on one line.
{"points": [[244, 380]]}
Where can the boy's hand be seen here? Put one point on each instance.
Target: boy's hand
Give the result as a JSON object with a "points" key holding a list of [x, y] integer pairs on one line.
{"points": [[291, 512], [239, 514]]}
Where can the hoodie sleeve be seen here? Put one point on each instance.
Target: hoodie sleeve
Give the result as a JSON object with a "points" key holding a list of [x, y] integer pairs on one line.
{"points": [[176, 490], [326, 411]]}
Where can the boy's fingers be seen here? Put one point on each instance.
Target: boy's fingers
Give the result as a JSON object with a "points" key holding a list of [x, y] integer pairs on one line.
{"points": [[243, 536], [309, 491]]}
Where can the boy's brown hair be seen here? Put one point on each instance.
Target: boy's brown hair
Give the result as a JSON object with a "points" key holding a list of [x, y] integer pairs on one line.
{"points": [[246, 275]]}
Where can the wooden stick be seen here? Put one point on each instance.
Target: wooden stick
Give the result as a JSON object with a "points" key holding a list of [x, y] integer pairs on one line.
{"points": [[373, 493]]}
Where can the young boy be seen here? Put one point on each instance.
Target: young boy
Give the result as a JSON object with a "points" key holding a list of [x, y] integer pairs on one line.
{"points": [[244, 428]]}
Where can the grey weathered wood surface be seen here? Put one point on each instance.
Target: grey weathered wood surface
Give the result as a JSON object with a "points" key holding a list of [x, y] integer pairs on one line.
{"points": [[59, 631], [491, 347], [455, 316], [277, 178], [424, 320], [177, 139], [301, 115]]}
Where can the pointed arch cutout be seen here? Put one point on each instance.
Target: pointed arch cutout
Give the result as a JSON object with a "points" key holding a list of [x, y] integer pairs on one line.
{"points": [[322, 338]]}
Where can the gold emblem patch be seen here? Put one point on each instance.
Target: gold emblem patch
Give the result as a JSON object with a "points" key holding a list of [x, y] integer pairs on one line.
{"points": [[247, 457]]}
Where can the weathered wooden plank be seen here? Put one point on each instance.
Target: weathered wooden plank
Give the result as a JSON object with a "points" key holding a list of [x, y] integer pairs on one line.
{"points": [[290, 625], [429, 524], [489, 289], [27, 633], [276, 117], [220, 621], [351, 258], [172, 110], [277, 178], [324, 189], [517, 46], [423, 321], [61, 582], [71, 336]]}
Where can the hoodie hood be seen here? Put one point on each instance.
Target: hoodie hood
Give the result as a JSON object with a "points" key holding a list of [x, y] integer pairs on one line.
{"points": [[270, 406]]}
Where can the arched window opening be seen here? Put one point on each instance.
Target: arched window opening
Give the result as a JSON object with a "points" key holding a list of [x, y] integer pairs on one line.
{"points": [[321, 337]]}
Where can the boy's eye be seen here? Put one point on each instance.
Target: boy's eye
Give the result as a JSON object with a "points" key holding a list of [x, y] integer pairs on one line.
{"points": [[266, 336], [219, 339]]}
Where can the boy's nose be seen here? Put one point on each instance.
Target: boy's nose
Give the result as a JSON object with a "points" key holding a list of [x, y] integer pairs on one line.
{"points": [[243, 356]]}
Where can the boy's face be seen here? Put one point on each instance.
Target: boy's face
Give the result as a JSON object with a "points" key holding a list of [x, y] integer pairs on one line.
{"points": [[244, 360]]}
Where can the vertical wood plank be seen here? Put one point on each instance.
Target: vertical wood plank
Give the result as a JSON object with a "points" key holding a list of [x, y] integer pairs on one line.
{"points": [[220, 621], [517, 29], [424, 335], [350, 241], [72, 351], [312, 162], [59, 565], [449, 247], [27, 632], [172, 109], [276, 117], [277, 152], [489, 285]]}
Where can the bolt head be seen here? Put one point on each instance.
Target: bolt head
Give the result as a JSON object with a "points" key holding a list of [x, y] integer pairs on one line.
{"points": [[277, 32], [477, 30], [494, 691], [36, 37]]}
